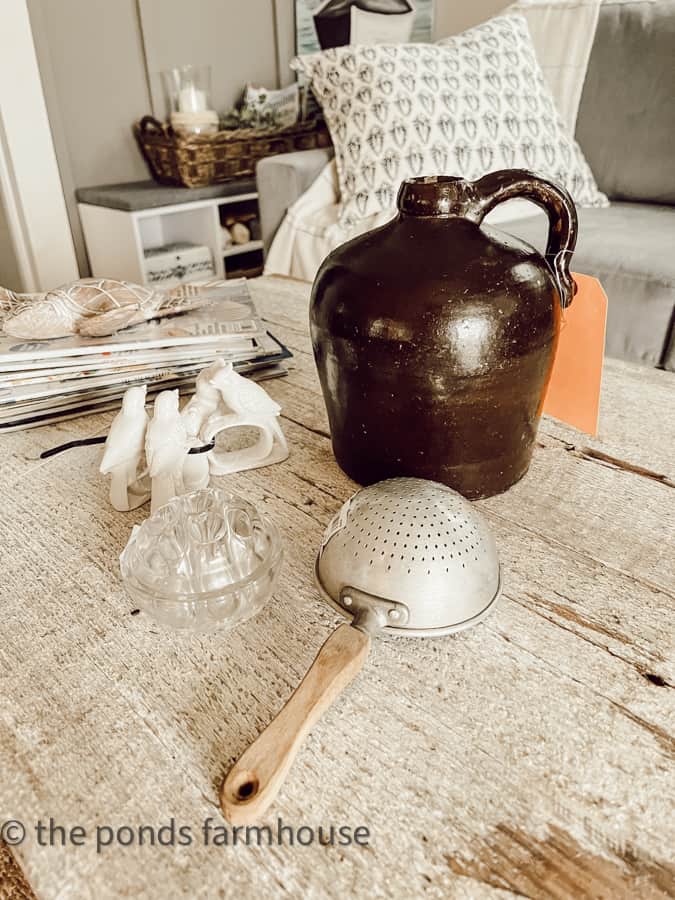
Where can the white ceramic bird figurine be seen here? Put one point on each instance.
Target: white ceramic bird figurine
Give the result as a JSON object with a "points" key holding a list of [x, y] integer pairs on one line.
{"points": [[207, 396], [196, 466], [123, 452], [244, 403], [201, 406], [166, 446], [243, 396]]}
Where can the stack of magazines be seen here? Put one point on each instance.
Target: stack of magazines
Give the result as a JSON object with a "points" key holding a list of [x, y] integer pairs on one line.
{"points": [[49, 380]]}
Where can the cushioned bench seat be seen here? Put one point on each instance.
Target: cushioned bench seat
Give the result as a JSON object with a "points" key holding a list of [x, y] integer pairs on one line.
{"points": [[638, 274]]}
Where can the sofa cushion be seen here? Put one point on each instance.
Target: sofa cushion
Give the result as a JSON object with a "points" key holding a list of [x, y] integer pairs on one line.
{"points": [[474, 103], [281, 180], [638, 275], [626, 121], [562, 32]]}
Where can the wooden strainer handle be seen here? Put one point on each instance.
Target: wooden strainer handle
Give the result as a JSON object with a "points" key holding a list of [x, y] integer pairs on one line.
{"points": [[253, 783]]}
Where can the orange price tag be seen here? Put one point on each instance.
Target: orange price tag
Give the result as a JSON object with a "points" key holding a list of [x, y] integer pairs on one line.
{"points": [[573, 394]]}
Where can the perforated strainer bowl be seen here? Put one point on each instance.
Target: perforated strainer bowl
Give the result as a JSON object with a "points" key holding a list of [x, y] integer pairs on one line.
{"points": [[407, 556], [418, 544]]}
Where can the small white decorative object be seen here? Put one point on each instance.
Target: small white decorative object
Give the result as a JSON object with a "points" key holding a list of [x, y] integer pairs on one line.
{"points": [[177, 263], [223, 399], [368, 27], [188, 97], [240, 233], [196, 467], [205, 122], [166, 448], [187, 88], [207, 396], [123, 452], [243, 403], [284, 103], [241, 395], [191, 99], [226, 237], [202, 405]]}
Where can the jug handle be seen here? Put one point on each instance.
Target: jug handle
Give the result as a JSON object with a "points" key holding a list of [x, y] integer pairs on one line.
{"points": [[496, 187]]}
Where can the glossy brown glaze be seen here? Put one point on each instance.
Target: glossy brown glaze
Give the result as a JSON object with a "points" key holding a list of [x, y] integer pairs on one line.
{"points": [[434, 337]]}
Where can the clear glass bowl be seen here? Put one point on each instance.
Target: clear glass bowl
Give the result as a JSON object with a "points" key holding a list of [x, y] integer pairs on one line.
{"points": [[204, 561]]}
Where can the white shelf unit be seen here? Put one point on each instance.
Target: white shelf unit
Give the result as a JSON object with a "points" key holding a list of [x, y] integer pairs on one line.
{"points": [[238, 249], [117, 239]]}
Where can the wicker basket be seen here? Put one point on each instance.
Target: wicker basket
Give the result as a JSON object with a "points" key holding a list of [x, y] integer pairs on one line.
{"points": [[202, 159]]}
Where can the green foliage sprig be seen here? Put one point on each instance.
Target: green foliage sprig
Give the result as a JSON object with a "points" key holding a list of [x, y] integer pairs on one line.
{"points": [[251, 116]]}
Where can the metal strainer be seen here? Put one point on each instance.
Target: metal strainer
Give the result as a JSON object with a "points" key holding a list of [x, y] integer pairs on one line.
{"points": [[406, 556], [412, 553]]}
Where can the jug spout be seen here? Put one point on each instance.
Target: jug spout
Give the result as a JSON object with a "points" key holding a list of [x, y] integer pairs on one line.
{"points": [[438, 195], [446, 196]]}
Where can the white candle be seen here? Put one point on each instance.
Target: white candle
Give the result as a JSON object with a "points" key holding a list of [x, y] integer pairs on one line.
{"points": [[191, 99]]}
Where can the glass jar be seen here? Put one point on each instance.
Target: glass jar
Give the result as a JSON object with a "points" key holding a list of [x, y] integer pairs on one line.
{"points": [[187, 89]]}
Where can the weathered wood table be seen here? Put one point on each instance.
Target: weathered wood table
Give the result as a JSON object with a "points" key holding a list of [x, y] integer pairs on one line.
{"points": [[530, 756]]}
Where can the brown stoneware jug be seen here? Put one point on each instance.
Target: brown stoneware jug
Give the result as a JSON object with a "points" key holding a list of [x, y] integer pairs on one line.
{"points": [[434, 335]]}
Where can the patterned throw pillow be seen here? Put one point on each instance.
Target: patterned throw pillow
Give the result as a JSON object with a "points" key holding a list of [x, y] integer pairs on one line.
{"points": [[474, 104]]}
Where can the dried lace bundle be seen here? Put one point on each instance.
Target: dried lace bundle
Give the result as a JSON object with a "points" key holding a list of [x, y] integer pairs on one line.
{"points": [[91, 307]]}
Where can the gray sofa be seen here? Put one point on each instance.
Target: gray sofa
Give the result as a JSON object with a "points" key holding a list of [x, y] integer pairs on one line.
{"points": [[626, 127]]}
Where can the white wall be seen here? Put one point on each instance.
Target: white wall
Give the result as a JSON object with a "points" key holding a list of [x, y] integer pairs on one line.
{"points": [[10, 276], [30, 187], [452, 17]]}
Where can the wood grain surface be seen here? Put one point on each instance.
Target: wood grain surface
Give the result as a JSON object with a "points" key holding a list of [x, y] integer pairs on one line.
{"points": [[530, 756], [255, 780], [13, 884]]}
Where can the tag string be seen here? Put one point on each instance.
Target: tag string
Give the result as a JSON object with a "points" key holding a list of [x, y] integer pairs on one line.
{"points": [[87, 442]]}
